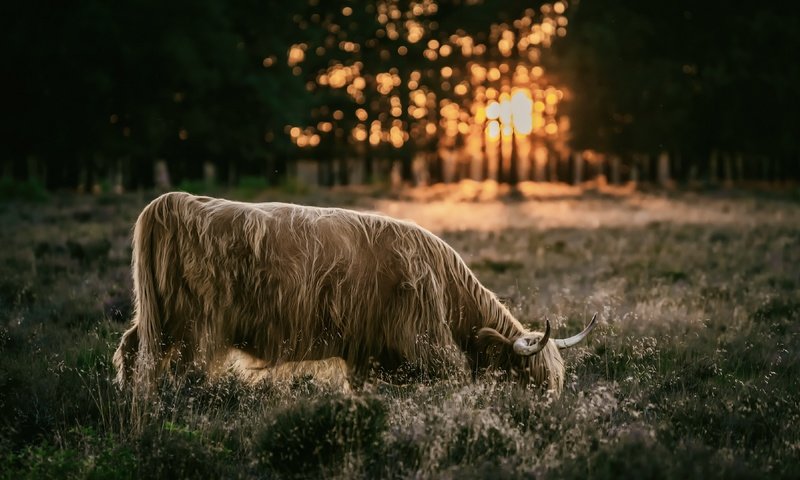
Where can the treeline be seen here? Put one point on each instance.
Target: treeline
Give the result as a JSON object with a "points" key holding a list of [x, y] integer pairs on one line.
{"points": [[104, 92], [711, 84], [105, 89]]}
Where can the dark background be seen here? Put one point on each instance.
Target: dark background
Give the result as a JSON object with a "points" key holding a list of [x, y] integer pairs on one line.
{"points": [[95, 88]]}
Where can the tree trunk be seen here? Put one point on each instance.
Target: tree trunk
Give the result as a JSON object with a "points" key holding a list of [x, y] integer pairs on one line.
{"points": [[614, 166], [713, 167], [727, 163], [664, 178], [577, 159]]}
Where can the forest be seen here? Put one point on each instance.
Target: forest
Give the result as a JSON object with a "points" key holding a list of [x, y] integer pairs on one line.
{"points": [[105, 96]]}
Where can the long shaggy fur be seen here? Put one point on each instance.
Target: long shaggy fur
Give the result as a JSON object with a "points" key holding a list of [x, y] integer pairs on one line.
{"points": [[288, 283]]}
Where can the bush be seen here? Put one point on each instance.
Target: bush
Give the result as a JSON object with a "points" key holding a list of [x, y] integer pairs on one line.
{"points": [[249, 187], [29, 190], [316, 435], [178, 452], [638, 454], [197, 187]]}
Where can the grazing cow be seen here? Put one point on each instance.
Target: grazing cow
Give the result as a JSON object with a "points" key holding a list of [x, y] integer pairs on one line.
{"points": [[288, 283]]}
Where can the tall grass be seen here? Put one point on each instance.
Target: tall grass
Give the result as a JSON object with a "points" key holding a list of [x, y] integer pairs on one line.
{"points": [[693, 373]]}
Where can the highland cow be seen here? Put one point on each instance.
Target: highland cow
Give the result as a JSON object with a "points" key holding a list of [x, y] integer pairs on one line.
{"points": [[288, 283]]}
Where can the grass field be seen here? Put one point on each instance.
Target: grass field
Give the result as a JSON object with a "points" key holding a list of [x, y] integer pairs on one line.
{"points": [[694, 371]]}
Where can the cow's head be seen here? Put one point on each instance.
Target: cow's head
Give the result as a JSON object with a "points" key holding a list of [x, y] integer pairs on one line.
{"points": [[532, 357]]}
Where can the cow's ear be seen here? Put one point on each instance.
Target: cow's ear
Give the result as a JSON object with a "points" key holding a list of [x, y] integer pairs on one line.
{"points": [[488, 336]]}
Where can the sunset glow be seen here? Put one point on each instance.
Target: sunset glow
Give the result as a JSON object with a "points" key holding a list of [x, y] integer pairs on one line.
{"points": [[474, 108]]}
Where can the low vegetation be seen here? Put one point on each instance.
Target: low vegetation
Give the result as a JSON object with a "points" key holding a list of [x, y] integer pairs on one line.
{"points": [[694, 371]]}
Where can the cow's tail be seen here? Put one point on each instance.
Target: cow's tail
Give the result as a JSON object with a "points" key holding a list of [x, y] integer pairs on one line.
{"points": [[139, 354]]}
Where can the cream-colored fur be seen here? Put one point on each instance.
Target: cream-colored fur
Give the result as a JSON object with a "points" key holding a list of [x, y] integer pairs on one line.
{"points": [[288, 283]]}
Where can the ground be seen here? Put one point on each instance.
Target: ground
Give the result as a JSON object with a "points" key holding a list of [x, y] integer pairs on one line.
{"points": [[694, 370]]}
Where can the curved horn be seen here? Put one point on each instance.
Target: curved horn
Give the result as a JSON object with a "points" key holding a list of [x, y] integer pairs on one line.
{"points": [[574, 340], [522, 347]]}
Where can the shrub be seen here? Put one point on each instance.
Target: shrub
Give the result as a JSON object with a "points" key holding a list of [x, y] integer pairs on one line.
{"points": [[28, 190], [311, 436], [179, 452]]}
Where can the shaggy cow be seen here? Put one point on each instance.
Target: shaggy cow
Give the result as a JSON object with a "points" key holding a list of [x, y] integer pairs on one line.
{"points": [[288, 283]]}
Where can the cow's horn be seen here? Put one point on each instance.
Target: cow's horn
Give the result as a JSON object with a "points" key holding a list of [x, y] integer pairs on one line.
{"points": [[522, 347], [574, 340]]}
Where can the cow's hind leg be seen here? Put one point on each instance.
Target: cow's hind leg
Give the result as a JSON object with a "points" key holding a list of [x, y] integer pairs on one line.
{"points": [[125, 356]]}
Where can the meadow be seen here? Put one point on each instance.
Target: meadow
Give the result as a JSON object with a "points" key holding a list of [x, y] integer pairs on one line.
{"points": [[693, 372]]}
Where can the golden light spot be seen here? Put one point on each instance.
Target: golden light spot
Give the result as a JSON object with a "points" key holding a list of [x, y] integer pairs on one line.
{"points": [[559, 7], [267, 62], [446, 72], [505, 47], [430, 54], [507, 132], [493, 110], [478, 73], [551, 129], [505, 108], [396, 137], [461, 89], [338, 115], [402, 50], [433, 44], [538, 121], [386, 82], [296, 54], [537, 71], [361, 114], [449, 111], [360, 133], [445, 50], [347, 11], [480, 114], [521, 106], [360, 83], [418, 112], [494, 74], [415, 31], [294, 132], [493, 131], [418, 97], [314, 140]]}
